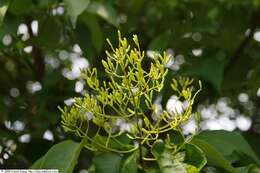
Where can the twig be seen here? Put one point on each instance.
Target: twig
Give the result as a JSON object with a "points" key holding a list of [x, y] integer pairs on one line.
{"points": [[236, 56]]}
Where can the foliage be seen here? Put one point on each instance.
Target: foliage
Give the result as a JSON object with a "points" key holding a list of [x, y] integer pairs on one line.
{"points": [[157, 137], [123, 107], [119, 99], [62, 156], [215, 38]]}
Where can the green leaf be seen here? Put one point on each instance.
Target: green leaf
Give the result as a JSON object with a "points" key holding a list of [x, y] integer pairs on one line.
{"points": [[176, 137], [210, 69], [195, 156], [83, 37], [49, 39], [158, 149], [3, 9], [160, 42], [91, 22], [167, 161], [227, 142], [19, 7], [253, 139], [152, 170], [248, 169], [214, 157], [107, 163], [105, 11], [130, 165], [37, 163], [75, 8], [9, 26], [62, 156]]}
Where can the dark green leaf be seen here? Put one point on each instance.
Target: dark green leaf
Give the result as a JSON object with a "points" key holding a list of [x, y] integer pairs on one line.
{"points": [[227, 142], [195, 156], [47, 38], [130, 165], [160, 42], [19, 7], [209, 71], [91, 22], [107, 163], [214, 157], [176, 137]]}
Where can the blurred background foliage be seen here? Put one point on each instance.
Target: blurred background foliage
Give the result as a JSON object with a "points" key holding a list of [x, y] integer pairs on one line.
{"points": [[44, 43]]}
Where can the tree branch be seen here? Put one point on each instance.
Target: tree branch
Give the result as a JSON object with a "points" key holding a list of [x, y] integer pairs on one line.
{"points": [[236, 56], [39, 65]]}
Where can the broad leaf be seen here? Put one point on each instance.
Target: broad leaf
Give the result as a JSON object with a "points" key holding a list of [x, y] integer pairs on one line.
{"points": [[161, 41], [130, 165], [195, 156], [210, 69], [105, 11], [176, 137], [23, 7], [107, 162], [49, 39], [214, 157], [227, 142], [75, 8], [248, 169], [62, 156], [91, 22]]}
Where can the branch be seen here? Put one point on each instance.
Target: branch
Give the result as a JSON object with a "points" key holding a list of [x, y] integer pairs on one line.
{"points": [[236, 56], [37, 57]]}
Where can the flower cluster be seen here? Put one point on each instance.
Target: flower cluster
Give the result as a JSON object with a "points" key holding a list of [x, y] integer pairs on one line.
{"points": [[123, 104]]}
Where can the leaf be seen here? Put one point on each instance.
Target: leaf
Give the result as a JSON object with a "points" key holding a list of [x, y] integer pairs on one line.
{"points": [[160, 42], [107, 163], [75, 8], [167, 161], [152, 170], [9, 26], [214, 157], [248, 169], [37, 163], [227, 142], [49, 39], [91, 22], [195, 156], [19, 7], [105, 11], [3, 9], [210, 69], [176, 137], [83, 37], [253, 139], [130, 165], [62, 156]]}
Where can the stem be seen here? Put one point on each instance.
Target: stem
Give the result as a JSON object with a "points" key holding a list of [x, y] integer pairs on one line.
{"points": [[141, 154], [240, 49]]}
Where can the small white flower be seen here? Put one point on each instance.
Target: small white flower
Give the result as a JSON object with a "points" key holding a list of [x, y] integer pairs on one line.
{"points": [[243, 97], [174, 106], [243, 123]]}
